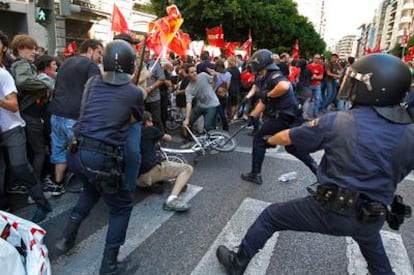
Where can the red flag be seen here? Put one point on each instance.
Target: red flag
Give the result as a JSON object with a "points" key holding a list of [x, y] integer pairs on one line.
{"points": [[230, 47], [215, 37], [368, 51], [119, 24], [70, 49], [180, 43], [411, 50], [377, 48], [168, 25], [247, 46], [154, 42], [295, 51], [404, 39]]}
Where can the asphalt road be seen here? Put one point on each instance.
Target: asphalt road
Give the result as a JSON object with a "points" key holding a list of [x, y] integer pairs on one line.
{"points": [[222, 208]]}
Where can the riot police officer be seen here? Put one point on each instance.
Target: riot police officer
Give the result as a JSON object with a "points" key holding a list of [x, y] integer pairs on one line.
{"points": [[368, 151], [96, 153], [280, 111]]}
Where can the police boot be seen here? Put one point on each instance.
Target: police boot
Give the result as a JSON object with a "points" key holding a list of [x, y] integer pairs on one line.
{"points": [[67, 241], [252, 177], [234, 263], [110, 264]]}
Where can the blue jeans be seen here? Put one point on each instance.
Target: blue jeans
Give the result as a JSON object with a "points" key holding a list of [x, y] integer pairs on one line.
{"points": [[209, 116], [308, 215], [119, 204], [317, 97], [331, 87], [62, 132], [132, 155]]}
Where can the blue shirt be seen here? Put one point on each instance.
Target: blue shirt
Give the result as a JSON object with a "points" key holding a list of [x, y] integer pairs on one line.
{"points": [[108, 109], [363, 151]]}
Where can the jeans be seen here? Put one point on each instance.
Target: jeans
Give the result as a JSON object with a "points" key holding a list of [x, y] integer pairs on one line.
{"points": [[14, 142], [35, 137], [209, 116], [62, 132], [308, 215], [132, 155], [119, 204], [271, 127], [317, 97], [331, 87]]}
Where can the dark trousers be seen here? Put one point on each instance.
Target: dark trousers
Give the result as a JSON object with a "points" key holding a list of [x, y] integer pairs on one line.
{"points": [[271, 127], [119, 204], [222, 114], [308, 215], [35, 137], [209, 114], [155, 109], [14, 142]]}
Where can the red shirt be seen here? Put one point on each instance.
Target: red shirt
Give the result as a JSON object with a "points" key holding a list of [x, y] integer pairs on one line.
{"points": [[316, 69]]}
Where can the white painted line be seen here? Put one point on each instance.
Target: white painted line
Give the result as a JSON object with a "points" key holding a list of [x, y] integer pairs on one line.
{"points": [[146, 217], [410, 176], [395, 249], [231, 236]]}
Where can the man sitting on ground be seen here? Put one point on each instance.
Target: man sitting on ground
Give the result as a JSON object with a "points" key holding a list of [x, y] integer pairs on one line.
{"points": [[154, 170]]}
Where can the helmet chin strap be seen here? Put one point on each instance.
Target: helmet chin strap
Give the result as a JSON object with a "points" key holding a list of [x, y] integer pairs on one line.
{"points": [[364, 78]]}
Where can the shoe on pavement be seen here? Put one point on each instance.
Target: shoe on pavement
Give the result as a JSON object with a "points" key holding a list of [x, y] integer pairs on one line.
{"points": [[176, 205], [18, 189], [40, 214], [56, 189], [252, 177], [31, 201]]}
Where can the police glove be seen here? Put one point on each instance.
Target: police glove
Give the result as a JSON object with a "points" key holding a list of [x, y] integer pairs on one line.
{"points": [[250, 121]]}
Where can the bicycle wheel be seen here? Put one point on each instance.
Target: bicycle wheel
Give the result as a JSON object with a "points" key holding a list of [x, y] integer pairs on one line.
{"points": [[221, 141], [172, 123], [176, 158]]}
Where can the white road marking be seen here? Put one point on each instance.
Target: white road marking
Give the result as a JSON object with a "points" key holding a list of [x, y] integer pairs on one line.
{"points": [[231, 236]]}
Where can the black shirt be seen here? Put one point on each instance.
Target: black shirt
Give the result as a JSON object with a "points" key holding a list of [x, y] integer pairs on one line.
{"points": [[284, 68], [149, 137], [235, 82], [108, 109], [202, 67], [70, 82]]}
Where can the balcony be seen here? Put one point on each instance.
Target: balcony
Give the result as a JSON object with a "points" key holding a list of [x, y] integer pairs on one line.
{"points": [[408, 6], [406, 19]]}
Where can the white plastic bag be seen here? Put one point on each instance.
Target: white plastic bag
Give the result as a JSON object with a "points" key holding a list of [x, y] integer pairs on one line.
{"points": [[27, 238], [10, 260]]}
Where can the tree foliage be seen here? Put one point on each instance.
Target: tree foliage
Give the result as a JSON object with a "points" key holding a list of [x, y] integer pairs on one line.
{"points": [[274, 24], [397, 50]]}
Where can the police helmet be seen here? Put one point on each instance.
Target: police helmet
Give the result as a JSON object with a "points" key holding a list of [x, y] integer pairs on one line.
{"points": [[261, 59], [118, 62], [380, 80]]}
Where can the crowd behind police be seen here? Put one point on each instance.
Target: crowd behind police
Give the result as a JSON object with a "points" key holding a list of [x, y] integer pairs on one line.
{"points": [[54, 118]]}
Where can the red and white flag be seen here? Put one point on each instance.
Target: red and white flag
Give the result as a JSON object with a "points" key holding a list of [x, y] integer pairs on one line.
{"points": [[215, 37], [247, 46]]}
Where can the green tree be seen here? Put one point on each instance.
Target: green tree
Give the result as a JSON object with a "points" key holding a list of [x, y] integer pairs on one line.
{"points": [[397, 50], [274, 24]]}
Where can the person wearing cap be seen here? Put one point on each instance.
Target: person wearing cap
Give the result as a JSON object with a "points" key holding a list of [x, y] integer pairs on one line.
{"points": [[368, 151], [280, 109]]}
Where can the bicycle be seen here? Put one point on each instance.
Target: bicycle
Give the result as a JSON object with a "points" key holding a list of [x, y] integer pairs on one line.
{"points": [[208, 143]]}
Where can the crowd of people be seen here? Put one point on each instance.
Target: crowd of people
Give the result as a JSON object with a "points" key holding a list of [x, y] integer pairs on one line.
{"points": [[101, 113]]}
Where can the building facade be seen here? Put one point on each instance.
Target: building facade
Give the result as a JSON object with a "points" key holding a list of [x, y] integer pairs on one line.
{"points": [[87, 19], [347, 46]]}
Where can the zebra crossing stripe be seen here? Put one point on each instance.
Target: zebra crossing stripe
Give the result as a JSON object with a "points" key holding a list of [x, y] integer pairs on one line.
{"points": [[232, 234], [88, 254], [395, 249]]}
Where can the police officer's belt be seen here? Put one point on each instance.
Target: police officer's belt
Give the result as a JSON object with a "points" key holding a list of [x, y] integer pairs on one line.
{"points": [[347, 202], [96, 145]]}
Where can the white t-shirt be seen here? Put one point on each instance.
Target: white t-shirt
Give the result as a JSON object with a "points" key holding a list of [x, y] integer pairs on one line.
{"points": [[8, 120]]}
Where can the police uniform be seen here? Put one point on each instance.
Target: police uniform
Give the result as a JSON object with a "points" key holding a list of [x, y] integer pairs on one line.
{"points": [[280, 113], [367, 152], [95, 155]]}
